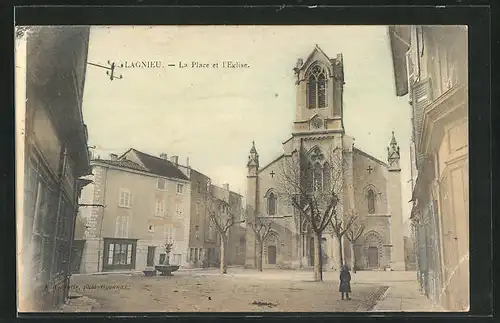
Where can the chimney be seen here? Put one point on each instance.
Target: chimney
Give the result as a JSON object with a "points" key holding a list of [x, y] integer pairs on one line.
{"points": [[113, 156], [164, 156], [187, 162], [226, 186], [174, 160]]}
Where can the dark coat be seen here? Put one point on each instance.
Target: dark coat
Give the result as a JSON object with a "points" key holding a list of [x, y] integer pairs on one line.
{"points": [[345, 282]]}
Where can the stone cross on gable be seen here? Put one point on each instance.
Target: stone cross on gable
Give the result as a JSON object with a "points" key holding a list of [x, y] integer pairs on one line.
{"points": [[370, 169], [272, 174]]}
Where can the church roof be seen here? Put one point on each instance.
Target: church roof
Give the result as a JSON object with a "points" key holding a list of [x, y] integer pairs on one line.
{"points": [[359, 151], [275, 160]]}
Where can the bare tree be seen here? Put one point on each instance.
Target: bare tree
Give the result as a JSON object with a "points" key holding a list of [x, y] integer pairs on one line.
{"points": [[313, 183], [223, 216], [261, 227], [353, 233], [340, 224]]}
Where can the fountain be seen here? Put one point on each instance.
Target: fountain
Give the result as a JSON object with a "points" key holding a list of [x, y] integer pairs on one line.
{"points": [[166, 268]]}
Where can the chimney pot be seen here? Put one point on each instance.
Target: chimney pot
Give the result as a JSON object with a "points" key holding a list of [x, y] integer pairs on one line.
{"points": [[164, 156], [113, 156], [226, 186], [174, 160]]}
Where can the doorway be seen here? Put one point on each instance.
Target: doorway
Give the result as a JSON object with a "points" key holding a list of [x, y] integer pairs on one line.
{"points": [[373, 257], [271, 255], [151, 256], [311, 252]]}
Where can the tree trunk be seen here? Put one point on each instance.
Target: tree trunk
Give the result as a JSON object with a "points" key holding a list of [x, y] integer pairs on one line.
{"points": [[223, 266], [341, 258], [353, 258], [317, 264], [167, 259], [259, 261]]}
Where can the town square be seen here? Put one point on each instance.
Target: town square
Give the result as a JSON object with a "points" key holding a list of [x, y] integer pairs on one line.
{"points": [[282, 169]]}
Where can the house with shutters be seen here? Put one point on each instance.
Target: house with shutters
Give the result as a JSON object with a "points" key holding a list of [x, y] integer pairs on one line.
{"points": [[430, 65], [52, 155], [139, 202]]}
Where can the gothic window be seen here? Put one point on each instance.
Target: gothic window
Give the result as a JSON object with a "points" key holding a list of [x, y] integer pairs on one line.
{"points": [[271, 204], [326, 177], [316, 88], [371, 202], [318, 177]]}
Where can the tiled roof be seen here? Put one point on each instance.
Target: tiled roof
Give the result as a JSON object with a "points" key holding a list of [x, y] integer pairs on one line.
{"points": [[160, 166], [154, 165], [124, 164]]}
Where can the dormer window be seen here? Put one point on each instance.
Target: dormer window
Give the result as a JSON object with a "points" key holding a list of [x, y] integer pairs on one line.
{"points": [[316, 88]]}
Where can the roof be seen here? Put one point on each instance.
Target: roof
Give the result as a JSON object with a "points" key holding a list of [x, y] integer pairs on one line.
{"points": [[160, 166], [152, 164], [369, 156]]}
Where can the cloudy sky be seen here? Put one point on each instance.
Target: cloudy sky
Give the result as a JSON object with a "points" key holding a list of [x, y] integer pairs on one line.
{"points": [[211, 115]]}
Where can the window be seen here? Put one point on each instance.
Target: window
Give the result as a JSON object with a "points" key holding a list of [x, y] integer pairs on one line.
{"points": [[197, 231], [125, 198], [180, 187], [211, 230], [121, 226], [326, 177], [199, 188], [119, 254], [271, 204], [162, 184], [371, 202], [160, 208], [316, 88]]}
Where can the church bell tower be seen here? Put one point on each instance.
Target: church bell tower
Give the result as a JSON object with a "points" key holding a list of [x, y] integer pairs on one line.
{"points": [[251, 205], [319, 90]]}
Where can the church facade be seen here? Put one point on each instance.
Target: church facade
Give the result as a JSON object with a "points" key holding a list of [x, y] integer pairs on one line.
{"points": [[370, 187]]}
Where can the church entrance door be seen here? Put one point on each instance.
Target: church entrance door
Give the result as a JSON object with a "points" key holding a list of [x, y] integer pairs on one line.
{"points": [[271, 255], [373, 257]]}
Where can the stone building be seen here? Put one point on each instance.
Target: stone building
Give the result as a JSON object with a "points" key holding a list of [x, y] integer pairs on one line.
{"points": [[430, 64], [140, 202], [371, 187], [164, 201], [53, 150]]}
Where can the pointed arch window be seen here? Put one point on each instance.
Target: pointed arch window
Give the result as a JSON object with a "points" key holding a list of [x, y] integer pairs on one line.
{"points": [[371, 201], [316, 88], [271, 204]]}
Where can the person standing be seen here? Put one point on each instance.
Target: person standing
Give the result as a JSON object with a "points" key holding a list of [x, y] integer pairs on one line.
{"points": [[345, 282]]}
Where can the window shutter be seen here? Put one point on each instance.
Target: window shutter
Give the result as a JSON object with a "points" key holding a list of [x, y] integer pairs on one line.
{"points": [[129, 254], [126, 221], [118, 226], [110, 254], [410, 72], [420, 99]]}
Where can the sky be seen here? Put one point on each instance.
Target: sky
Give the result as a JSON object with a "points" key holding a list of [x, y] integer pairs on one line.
{"points": [[211, 115]]}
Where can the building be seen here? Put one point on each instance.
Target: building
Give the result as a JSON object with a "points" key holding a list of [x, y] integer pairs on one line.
{"points": [[138, 202], [235, 252], [55, 157], [371, 187], [430, 64]]}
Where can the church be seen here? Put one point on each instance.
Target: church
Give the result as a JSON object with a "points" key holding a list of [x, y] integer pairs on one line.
{"points": [[370, 187]]}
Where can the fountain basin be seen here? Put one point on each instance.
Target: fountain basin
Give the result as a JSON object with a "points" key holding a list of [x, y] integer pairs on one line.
{"points": [[166, 270]]}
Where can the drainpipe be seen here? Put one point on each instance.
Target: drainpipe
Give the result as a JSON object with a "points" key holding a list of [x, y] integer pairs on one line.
{"points": [[62, 173]]}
